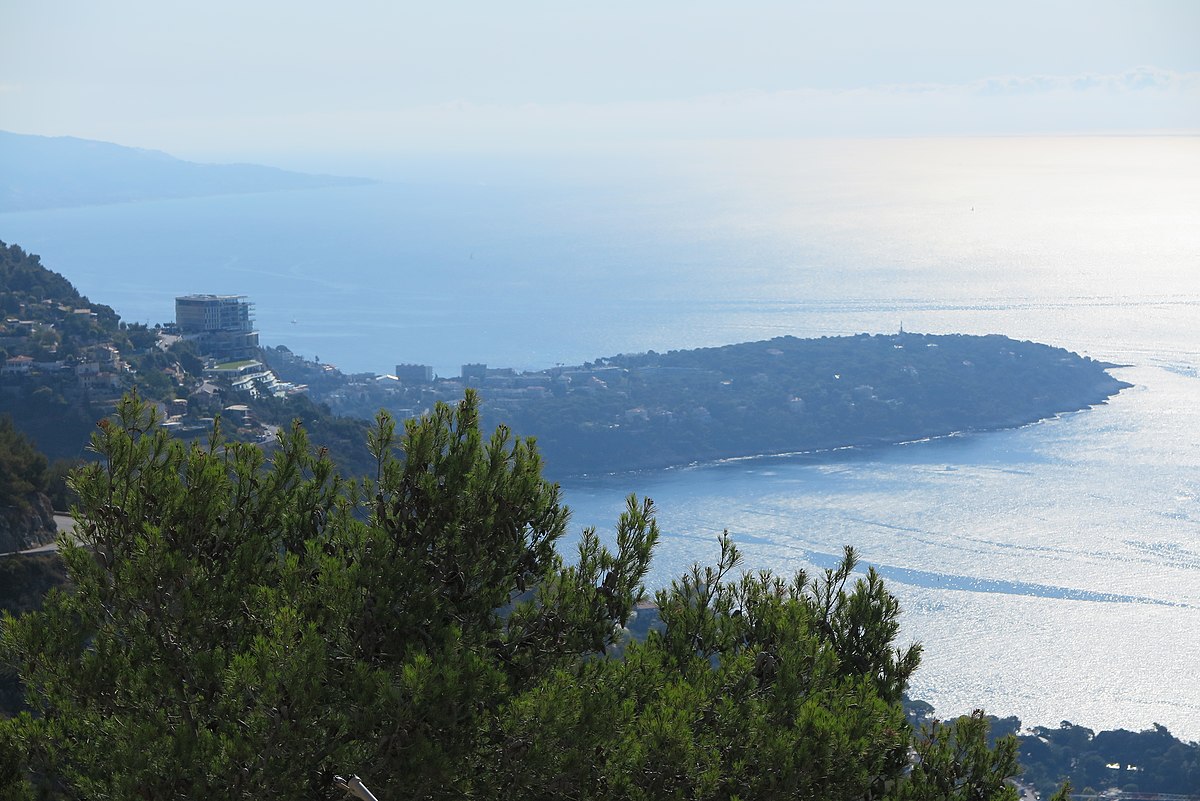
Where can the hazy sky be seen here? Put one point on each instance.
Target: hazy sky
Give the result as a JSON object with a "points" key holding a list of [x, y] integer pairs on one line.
{"points": [[222, 80]]}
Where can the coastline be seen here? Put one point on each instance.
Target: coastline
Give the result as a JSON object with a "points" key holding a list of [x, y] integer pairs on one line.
{"points": [[861, 447]]}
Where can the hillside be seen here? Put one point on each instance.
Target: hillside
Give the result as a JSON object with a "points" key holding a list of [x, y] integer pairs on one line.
{"points": [[38, 172], [65, 361], [26, 514]]}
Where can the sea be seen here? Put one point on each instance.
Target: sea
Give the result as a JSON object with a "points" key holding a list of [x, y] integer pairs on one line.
{"points": [[1051, 572]]}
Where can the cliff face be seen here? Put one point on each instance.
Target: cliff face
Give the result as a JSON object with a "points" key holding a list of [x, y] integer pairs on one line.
{"points": [[28, 527]]}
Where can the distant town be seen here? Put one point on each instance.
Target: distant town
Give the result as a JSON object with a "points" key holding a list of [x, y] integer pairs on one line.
{"points": [[620, 412], [216, 356]]}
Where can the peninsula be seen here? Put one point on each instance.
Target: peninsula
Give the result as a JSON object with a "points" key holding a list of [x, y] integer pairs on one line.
{"points": [[784, 395]]}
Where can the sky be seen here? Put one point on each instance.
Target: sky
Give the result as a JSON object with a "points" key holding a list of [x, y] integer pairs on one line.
{"points": [[276, 81]]}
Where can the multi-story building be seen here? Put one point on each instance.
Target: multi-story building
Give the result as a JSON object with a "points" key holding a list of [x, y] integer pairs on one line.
{"points": [[474, 375], [414, 373], [222, 326]]}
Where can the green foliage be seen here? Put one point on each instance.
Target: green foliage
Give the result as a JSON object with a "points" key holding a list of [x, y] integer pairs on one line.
{"points": [[954, 763], [60, 426], [26, 578], [22, 273], [1063, 793], [238, 626], [27, 284], [1150, 761], [23, 469], [341, 437], [13, 755], [749, 691], [49, 405], [188, 356], [245, 628], [140, 336], [62, 497]]}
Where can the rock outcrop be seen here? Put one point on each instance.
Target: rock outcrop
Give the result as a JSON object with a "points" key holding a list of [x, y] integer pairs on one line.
{"points": [[27, 525]]}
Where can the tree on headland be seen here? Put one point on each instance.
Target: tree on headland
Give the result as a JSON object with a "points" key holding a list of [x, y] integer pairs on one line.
{"points": [[240, 628], [1148, 761]]}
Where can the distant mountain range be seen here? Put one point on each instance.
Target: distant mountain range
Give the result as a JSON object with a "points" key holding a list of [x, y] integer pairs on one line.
{"points": [[40, 172]]}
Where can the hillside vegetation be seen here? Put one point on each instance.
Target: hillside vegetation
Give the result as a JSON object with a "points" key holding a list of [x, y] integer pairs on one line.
{"points": [[26, 512], [239, 629], [791, 395], [67, 360]]}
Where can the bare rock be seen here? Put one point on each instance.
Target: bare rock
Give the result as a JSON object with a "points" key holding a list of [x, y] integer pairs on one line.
{"points": [[28, 524]]}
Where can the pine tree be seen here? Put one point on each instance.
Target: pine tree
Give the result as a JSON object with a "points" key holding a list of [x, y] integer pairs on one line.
{"points": [[246, 627]]}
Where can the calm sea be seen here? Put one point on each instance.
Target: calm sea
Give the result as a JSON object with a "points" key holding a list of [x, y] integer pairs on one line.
{"points": [[1052, 572]]}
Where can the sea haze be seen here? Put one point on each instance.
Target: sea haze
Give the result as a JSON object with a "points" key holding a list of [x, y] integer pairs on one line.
{"points": [[1053, 572], [55, 172]]}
